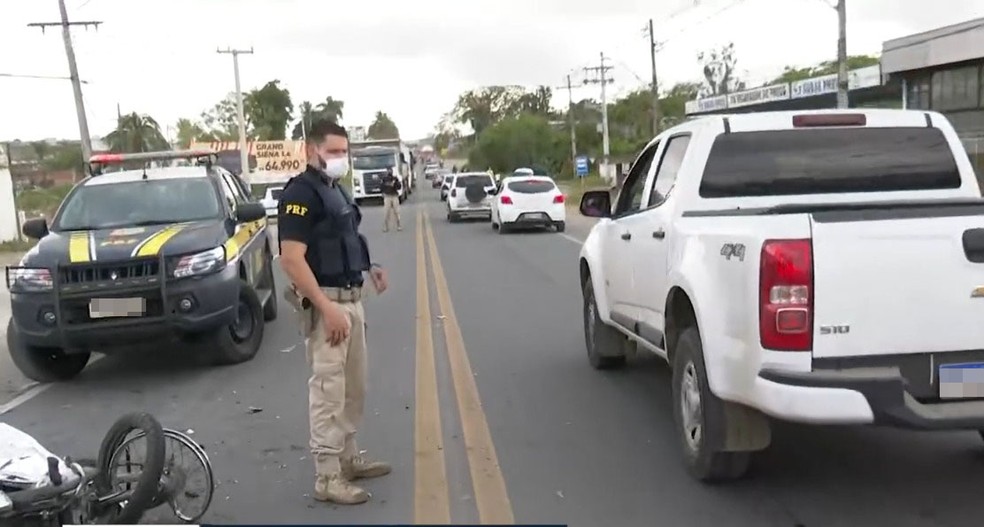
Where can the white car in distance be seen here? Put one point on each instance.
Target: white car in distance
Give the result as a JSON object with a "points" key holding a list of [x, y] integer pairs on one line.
{"points": [[470, 194], [528, 201], [271, 200]]}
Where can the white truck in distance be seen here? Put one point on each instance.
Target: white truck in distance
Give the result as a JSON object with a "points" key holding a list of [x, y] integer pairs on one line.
{"points": [[823, 267], [370, 161]]}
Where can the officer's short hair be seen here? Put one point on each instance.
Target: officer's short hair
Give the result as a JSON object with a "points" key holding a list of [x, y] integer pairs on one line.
{"points": [[322, 128]]}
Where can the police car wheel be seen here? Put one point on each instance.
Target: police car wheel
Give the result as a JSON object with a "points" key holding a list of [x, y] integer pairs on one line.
{"points": [[240, 341], [43, 364]]}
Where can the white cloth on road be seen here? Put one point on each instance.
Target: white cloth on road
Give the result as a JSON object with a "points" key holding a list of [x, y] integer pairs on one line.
{"points": [[24, 461]]}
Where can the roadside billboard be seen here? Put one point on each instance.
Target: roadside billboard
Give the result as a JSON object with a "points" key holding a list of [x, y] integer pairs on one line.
{"points": [[270, 156]]}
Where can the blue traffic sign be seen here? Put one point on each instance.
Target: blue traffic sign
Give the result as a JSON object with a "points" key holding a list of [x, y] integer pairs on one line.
{"points": [[581, 165]]}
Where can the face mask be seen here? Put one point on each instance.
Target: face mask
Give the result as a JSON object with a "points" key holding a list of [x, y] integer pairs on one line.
{"points": [[335, 167]]}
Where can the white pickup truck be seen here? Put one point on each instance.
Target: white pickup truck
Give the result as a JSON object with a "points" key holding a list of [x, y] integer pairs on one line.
{"points": [[823, 267]]}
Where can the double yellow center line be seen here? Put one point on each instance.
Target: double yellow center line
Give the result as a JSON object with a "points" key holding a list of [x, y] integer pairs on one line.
{"points": [[431, 502]]}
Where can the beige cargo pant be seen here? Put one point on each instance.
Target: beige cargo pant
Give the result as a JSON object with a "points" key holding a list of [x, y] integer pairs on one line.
{"points": [[392, 206], [337, 387]]}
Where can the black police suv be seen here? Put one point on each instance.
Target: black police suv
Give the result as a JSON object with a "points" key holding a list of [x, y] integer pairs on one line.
{"points": [[140, 255]]}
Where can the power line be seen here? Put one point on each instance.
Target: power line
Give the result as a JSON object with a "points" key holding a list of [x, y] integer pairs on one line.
{"points": [[45, 77], [73, 71]]}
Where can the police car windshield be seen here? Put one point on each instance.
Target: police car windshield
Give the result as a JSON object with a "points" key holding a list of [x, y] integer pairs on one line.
{"points": [[132, 203], [372, 162]]}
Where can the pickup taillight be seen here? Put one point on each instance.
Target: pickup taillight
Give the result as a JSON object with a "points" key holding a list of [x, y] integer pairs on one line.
{"points": [[786, 295]]}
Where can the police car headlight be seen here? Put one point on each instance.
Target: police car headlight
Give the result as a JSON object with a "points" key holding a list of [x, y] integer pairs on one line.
{"points": [[28, 280], [200, 263]]}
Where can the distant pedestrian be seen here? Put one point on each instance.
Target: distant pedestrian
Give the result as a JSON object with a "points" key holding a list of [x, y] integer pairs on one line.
{"points": [[391, 199]]}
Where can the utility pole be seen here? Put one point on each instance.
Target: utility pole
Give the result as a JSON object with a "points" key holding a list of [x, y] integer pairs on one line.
{"points": [[73, 72], [571, 123], [843, 84], [241, 114], [602, 71], [655, 86]]}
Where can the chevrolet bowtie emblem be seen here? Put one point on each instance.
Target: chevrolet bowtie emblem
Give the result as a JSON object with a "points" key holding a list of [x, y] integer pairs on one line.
{"points": [[978, 292]]}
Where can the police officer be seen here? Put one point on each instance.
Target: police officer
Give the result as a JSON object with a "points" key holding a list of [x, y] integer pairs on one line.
{"points": [[391, 199], [325, 257]]}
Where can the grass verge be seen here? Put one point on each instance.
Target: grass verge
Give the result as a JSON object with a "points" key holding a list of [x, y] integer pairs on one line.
{"points": [[16, 246]]}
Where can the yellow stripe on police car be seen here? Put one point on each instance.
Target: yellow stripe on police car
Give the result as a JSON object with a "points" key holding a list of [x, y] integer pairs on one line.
{"points": [[80, 247], [153, 244], [244, 233]]}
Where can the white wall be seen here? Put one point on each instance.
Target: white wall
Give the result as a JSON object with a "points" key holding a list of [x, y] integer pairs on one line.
{"points": [[8, 214]]}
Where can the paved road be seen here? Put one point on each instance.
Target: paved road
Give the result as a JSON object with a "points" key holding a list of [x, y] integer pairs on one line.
{"points": [[498, 364]]}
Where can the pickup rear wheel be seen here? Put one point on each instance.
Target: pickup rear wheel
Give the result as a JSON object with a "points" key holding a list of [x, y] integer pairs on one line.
{"points": [[606, 346], [43, 365], [699, 416]]}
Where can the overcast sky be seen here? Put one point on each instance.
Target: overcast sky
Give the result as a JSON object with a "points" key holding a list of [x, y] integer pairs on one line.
{"points": [[408, 59]]}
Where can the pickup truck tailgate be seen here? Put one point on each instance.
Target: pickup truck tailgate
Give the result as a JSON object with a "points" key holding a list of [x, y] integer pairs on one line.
{"points": [[898, 285]]}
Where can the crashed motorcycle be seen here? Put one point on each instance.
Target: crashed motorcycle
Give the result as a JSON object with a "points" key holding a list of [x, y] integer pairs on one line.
{"points": [[40, 489]]}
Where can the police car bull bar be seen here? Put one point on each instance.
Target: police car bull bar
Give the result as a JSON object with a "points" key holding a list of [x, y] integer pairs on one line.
{"points": [[98, 162]]}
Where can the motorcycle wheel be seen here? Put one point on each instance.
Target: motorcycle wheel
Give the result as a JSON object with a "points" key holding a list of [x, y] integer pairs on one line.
{"points": [[112, 478]]}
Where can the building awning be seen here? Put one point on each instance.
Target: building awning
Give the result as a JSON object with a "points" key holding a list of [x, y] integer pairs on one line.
{"points": [[946, 45]]}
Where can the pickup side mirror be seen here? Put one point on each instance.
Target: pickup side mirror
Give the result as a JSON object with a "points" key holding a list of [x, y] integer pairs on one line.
{"points": [[493, 191], [247, 212], [596, 204], [36, 228]]}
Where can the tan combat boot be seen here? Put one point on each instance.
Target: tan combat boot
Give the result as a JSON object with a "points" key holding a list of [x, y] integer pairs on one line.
{"points": [[357, 467], [336, 489]]}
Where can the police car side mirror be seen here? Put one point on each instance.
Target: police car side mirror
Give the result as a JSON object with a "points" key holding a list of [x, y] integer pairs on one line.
{"points": [[35, 229], [247, 212]]}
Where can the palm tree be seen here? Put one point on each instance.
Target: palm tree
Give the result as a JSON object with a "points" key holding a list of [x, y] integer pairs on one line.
{"points": [[331, 109], [137, 133]]}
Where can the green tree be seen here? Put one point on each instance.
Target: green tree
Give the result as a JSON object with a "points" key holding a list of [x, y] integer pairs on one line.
{"points": [[221, 121], [827, 67], [486, 106], [383, 127], [331, 109], [720, 73], [535, 102], [137, 133], [524, 140], [189, 131], [269, 109]]}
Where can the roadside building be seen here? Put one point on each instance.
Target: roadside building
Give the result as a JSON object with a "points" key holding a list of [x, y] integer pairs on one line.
{"points": [[943, 70]]}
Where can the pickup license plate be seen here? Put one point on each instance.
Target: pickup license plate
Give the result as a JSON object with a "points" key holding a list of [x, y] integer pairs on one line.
{"points": [[962, 381], [117, 307]]}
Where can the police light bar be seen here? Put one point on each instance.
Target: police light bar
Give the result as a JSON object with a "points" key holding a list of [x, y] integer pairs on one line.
{"points": [[110, 159], [97, 161]]}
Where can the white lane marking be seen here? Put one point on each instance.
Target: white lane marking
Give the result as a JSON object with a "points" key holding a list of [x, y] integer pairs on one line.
{"points": [[34, 391], [571, 238]]}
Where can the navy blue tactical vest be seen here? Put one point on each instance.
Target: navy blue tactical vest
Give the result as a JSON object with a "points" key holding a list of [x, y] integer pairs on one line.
{"points": [[337, 253]]}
